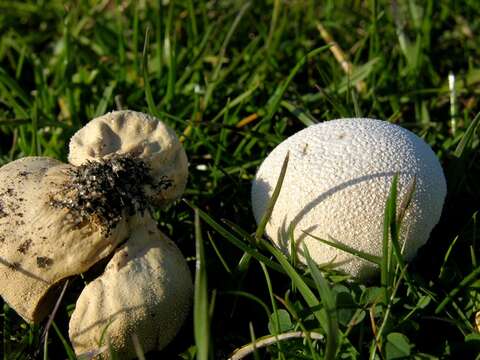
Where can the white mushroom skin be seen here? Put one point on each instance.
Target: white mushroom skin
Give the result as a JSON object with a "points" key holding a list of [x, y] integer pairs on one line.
{"points": [[41, 245], [146, 290], [129, 132], [336, 186]]}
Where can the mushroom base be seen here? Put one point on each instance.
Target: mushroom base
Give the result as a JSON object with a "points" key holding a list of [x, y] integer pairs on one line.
{"points": [[146, 291]]}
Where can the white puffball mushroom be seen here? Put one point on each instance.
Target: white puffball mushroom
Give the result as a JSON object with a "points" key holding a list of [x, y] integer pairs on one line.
{"points": [[336, 186], [141, 136], [40, 244], [146, 290]]}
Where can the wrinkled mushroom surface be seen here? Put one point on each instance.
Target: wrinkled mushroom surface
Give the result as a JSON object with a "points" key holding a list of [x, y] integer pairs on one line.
{"points": [[142, 136], [40, 244], [145, 290]]}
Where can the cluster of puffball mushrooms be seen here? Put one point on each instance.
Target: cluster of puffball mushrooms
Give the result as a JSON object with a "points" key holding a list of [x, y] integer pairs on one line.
{"points": [[58, 220]]}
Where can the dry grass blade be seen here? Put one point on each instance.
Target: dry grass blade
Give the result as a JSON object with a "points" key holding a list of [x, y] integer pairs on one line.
{"points": [[340, 56], [407, 199], [53, 313], [138, 347], [246, 350]]}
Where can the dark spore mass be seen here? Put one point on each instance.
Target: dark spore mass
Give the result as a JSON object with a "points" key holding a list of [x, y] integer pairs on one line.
{"points": [[104, 191]]}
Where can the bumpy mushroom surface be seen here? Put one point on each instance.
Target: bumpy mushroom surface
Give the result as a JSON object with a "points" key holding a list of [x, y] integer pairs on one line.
{"points": [[146, 290], [142, 137], [42, 244], [337, 182]]}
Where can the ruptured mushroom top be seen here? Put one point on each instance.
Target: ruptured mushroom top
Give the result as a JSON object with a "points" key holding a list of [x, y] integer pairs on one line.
{"points": [[142, 137]]}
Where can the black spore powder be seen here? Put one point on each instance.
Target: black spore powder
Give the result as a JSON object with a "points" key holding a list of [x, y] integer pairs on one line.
{"points": [[104, 191]]}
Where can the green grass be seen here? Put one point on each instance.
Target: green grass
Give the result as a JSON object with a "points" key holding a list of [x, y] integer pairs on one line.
{"points": [[235, 78]]}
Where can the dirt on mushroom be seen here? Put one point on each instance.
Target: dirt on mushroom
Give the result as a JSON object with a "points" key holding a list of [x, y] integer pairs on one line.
{"points": [[103, 191], [40, 246]]}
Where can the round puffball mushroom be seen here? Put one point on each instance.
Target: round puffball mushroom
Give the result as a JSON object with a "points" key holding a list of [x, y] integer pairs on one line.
{"points": [[336, 186], [141, 136], [146, 291], [42, 244]]}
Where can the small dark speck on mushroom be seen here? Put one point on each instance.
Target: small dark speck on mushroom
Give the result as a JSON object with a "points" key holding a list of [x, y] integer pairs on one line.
{"points": [[43, 261], [23, 173], [103, 191], [14, 265], [304, 151], [2, 239], [3, 213], [23, 248]]}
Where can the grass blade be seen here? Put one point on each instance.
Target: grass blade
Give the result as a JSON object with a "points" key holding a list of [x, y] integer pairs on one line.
{"points": [[306, 292], [268, 340], [65, 343], [473, 276], [15, 88], [235, 241], [328, 301], [377, 260], [274, 305], [302, 114], [252, 297], [406, 201], [273, 200], [220, 257], [393, 225], [152, 108], [105, 100], [200, 307], [170, 43], [216, 72], [389, 217], [467, 137], [274, 102]]}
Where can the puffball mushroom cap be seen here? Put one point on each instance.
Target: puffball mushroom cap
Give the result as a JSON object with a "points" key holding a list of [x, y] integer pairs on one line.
{"points": [[41, 245], [146, 290], [336, 186], [142, 136]]}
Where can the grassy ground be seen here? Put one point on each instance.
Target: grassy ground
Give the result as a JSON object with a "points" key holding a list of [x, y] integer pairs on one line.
{"points": [[236, 78]]}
